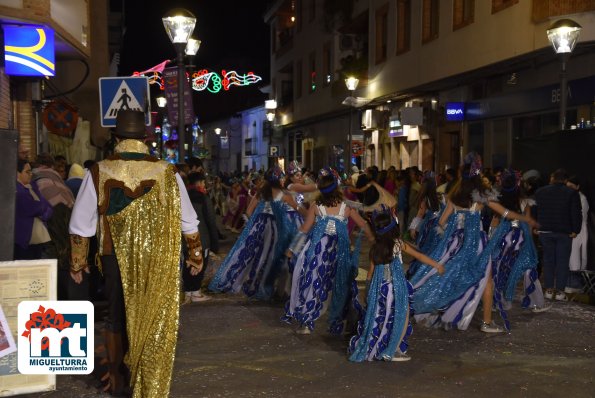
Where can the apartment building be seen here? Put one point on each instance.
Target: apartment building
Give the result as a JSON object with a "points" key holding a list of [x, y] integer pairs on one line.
{"points": [[489, 62], [69, 95]]}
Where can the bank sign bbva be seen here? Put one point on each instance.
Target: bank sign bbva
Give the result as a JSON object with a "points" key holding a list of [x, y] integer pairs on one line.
{"points": [[29, 50], [455, 111]]}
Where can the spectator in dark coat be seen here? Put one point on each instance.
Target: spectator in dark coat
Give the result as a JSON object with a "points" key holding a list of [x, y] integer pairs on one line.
{"points": [[32, 211], [559, 217], [207, 228]]}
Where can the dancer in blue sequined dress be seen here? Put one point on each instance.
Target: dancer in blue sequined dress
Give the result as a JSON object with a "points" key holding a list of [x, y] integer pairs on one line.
{"points": [[451, 300], [514, 256], [382, 333], [256, 257], [423, 226], [323, 261]]}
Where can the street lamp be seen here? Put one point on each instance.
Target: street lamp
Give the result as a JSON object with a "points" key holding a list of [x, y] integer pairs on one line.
{"points": [[191, 50], [270, 106], [161, 102], [563, 35], [351, 84], [179, 25]]}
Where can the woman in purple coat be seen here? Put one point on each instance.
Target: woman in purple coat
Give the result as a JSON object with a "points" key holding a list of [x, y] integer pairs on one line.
{"points": [[32, 211]]}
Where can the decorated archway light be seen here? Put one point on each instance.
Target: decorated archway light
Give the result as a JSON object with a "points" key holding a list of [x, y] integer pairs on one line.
{"points": [[204, 79]]}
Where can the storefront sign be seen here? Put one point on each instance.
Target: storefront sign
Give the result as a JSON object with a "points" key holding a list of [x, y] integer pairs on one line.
{"points": [[580, 92], [455, 111], [395, 129], [29, 50]]}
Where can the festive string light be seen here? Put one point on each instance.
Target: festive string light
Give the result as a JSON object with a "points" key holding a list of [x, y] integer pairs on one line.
{"points": [[204, 79]]}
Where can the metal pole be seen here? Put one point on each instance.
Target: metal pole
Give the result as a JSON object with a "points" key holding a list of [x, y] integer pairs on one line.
{"points": [[350, 145], [181, 76], [563, 92]]}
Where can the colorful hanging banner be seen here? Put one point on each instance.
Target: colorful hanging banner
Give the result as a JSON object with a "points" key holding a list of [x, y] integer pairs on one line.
{"points": [[170, 79]]}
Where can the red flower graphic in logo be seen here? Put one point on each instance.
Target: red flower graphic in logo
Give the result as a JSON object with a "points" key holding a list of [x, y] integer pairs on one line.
{"points": [[43, 319]]}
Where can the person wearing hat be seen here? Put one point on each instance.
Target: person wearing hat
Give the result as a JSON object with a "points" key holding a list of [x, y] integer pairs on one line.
{"points": [[137, 204], [75, 178]]}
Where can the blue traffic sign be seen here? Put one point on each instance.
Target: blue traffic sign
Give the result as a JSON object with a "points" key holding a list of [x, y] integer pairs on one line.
{"points": [[117, 93]]}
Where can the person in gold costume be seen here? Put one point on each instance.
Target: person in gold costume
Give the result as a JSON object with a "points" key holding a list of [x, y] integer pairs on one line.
{"points": [[137, 205]]}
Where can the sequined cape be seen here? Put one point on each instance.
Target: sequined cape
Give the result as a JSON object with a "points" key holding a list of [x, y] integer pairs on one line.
{"points": [[380, 334], [147, 241]]}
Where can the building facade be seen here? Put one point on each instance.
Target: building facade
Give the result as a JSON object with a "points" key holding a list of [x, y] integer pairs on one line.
{"points": [[30, 104], [240, 143], [416, 61]]}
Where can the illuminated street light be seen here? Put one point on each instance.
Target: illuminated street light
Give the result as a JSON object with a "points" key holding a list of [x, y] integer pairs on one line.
{"points": [[179, 25], [563, 35]]}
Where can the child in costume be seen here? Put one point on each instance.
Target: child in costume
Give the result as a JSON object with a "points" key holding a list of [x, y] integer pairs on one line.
{"points": [[382, 334], [323, 262]]}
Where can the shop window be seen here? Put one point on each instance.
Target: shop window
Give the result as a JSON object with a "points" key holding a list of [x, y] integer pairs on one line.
{"points": [[476, 138], [463, 13], [312, 72], [403, 26], [298, 79], [381, 33], [326, 64], [499, 5], [430, 20]]}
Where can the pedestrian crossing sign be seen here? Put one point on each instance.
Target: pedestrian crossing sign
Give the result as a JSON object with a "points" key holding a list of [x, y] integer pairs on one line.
{"points": [[117, 93]]}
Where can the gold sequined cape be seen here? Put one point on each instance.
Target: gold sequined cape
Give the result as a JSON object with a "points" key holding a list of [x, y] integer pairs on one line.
{"points": [[147, 241]]}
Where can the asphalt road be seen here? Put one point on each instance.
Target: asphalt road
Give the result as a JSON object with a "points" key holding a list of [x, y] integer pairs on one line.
{"points": [[234, 347]]}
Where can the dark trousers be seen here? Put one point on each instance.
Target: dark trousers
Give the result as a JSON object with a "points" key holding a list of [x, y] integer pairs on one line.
{"points": [[116, 315], [556, 256], [68, 289], [191, 282]]}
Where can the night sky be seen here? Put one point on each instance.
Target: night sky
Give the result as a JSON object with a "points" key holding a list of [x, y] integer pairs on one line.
{"points": [[234, 37]]}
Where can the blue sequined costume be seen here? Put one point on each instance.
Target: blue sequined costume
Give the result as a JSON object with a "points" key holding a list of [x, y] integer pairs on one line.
{"points": [[428, 238], [514, 257], [323, 265], [452, 298], [254, 260], [386, 326]]}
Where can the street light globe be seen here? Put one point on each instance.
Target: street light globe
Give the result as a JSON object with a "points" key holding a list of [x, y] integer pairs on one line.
{"points": [[161, 101], [351, 83], [270, 116], [192, 47], [179, 25], [217, 131], [270, 104], [563, 35]]}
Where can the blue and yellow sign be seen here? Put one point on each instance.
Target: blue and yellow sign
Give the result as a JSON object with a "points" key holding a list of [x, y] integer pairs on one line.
{"points": [[29, 50]]}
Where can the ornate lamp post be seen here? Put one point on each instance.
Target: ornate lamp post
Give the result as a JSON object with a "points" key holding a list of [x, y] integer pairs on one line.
{"points": [[563, 35], [179, 25], [351, 84]]}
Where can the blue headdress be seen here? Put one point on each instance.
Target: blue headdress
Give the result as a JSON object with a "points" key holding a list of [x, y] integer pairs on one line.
{"points": [[474, 160], [394, 221], [274, 174], [294, 167], [510, 180], [328, 171]]}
